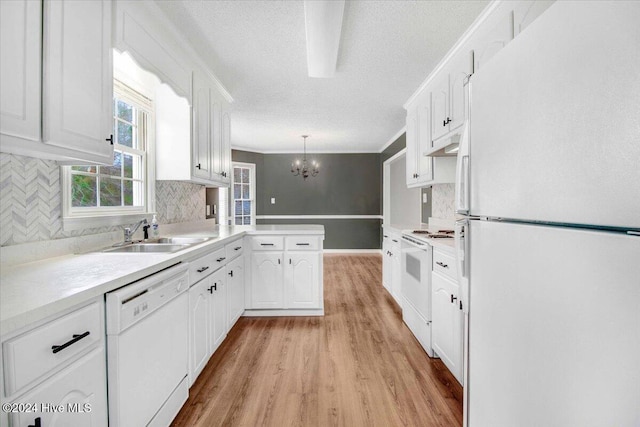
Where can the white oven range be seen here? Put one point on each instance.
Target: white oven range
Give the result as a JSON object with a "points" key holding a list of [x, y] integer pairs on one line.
{"points": [[416, 288]]}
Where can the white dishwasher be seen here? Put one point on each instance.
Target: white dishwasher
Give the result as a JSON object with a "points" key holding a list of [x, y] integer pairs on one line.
{"points": [[147, 360]]}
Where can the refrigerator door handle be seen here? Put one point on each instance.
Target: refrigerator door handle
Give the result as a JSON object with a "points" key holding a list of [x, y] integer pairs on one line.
{"points": [[461, 248], [462, 172]]}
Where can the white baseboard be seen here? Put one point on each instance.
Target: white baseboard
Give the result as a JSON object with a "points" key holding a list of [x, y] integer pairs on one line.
{"points": [[282, 312], [352, 251]]}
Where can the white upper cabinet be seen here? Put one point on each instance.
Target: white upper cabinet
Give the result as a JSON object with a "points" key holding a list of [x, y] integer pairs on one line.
{"points": [[495, 34], [448, 96], [78, 78], [202, 138], [20, 68], [57, 80], [424, 170]]}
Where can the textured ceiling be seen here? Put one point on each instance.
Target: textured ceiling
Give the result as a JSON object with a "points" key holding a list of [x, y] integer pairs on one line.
{"points": [[257, 49]]}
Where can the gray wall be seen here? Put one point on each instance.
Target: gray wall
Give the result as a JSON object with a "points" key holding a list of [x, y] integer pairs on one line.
{"points": [[348, 184]]}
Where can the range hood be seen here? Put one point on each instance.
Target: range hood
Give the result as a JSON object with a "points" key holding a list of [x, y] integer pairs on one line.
{"points": [[445, 147]]}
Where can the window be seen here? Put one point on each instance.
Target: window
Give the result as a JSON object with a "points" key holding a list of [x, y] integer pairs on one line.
{"points": [[121, 188], [244, 194]]}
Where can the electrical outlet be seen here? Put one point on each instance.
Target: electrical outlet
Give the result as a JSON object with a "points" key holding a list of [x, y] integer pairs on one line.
{"points": [[273, 200]]}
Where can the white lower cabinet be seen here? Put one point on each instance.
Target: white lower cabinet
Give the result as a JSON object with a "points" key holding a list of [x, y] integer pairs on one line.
{"points": [[74, 397], [285, 276], [392, 265], [199, 324], [235, 290], [447, 323], [58, 370], [267, 273], [302, 288], [208, 324], [218, 293]]}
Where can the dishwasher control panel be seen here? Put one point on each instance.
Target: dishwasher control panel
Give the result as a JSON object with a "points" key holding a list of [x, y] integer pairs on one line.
{"points": [[134, 302]]}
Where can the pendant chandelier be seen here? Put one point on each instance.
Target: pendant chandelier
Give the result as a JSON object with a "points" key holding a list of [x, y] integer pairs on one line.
{"points": [[302, 168]]}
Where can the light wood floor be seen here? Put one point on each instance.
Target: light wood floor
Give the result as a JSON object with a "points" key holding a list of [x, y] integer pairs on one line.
{"points": [[358, 365]]}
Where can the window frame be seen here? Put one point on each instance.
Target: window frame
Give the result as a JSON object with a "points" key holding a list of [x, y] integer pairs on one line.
{"points": [[252, 192], [91, 217]]}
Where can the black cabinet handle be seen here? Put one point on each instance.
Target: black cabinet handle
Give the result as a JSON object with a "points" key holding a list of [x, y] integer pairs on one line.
{"points": [[212, 288], [453, 298], [395, 240], [200, 270], [221, 259], [448, 120], [302, 244], [36, 423], [237, 248], [266, 244], [110, 139], [198, 166], [75, 339], [278, 260], [231, 273], [441, 264], [444, 123], [385, 236], [289, 260], [460, 304]]}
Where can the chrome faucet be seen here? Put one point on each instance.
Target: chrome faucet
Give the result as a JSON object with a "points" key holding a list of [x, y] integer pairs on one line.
{"points": [[129, 232]]}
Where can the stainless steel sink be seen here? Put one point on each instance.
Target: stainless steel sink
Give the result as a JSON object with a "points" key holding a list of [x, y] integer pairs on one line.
{"points": [[149, 248], [183, 240]]}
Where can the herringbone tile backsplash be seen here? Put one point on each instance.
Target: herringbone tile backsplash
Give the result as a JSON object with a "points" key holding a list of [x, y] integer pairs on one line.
{"points": [[443, 202], [31, 202]]}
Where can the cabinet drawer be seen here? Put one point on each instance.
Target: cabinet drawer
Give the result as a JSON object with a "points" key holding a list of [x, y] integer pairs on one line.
{"points": [[445, 263], [302, 243], [234, 249], [203, 266], [44, 349], [267, 243]]}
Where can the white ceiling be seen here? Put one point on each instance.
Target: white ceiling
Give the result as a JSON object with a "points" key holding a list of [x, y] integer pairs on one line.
{"points": [[257, 49]]}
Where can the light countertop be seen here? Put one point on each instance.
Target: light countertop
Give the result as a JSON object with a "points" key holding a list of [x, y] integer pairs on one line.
{"points": [[445, 244], [33, 291]]}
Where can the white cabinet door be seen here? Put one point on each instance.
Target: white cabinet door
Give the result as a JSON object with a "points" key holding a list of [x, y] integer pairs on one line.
{"points": [[424, 164], [458, 72], [447, 324], [199, 323], [225, 148], [20, 68], [440, 107], [396, 273], [235, 290], [412, 144], [218, 325], [80, 390], [78, 77], [302, 287], [495, 34], [267, 273], [201, 139], [386, 263], [216, 138]]}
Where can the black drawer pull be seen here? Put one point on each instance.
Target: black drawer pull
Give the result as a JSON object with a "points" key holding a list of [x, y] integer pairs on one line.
{"points": [[213, 288], [200, 270], [395, 240], [266, 244], [231, 273], [237, 248], [441, 264], [221, 259], [75, 339], [302, 244]]}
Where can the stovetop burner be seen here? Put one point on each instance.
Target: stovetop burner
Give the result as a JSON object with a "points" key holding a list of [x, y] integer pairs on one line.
{"points": [[440, 234]]}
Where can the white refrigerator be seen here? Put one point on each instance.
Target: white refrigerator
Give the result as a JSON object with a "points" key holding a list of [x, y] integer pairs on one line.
{"points": [[549, 249]]}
